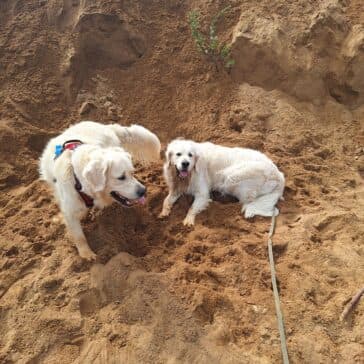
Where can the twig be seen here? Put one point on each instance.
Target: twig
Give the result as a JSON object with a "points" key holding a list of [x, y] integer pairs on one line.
{"points": [[351, 305]]}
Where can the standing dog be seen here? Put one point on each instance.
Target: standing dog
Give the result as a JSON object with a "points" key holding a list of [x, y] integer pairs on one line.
{"points": [[198, 168], [89, 165]]}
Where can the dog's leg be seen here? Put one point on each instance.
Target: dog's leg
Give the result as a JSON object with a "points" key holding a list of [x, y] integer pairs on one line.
{"points": [[199, 204], [78, 237], [71, 206], [262, 206], [168, 203]]}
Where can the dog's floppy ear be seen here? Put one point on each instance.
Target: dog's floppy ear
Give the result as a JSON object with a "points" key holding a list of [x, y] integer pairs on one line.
{"points": [[200, 164], [95, 174], [168, 156]]}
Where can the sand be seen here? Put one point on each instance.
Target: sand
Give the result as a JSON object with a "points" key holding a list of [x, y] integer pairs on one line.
{"points": [[161, 292]]}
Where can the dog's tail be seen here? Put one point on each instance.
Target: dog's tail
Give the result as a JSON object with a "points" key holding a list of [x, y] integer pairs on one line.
{"points": [[142, 144]]}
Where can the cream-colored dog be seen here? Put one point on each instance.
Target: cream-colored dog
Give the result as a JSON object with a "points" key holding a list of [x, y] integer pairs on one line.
{"points": [[89, 165], [199, 168]]}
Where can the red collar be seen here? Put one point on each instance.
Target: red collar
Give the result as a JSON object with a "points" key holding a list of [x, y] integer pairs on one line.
{"points": [[71, 144], [89, 201]]}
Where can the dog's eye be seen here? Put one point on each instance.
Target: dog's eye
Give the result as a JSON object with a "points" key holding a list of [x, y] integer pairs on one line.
{"points": [[178, 154], [190, 154], [122, 177]]}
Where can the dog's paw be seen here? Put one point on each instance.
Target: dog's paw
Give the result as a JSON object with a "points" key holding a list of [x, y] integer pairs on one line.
{"points": [[163, 214], [189, 221], [58, 219], [249, 214], [88, 255]]}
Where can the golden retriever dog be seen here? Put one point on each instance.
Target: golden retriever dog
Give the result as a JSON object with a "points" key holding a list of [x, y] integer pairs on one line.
{"points": [[90, 164], [199, 168]]}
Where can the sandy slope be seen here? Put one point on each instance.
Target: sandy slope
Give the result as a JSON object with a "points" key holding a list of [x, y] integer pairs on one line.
{"points": [[161, 292]]}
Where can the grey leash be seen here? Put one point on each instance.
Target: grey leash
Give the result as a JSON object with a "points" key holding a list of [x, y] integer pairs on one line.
{"points": [[276, 295]]}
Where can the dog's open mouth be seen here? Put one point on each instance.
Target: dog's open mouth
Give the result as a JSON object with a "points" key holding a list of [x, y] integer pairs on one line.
{"points": [[182, 173], [126, 201]]}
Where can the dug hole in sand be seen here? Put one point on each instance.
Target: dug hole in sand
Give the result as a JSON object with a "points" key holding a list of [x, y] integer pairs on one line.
{"points": [[161, 292]]}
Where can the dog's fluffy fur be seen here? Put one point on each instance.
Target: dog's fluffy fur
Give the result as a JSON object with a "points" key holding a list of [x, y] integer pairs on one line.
{"points": [[199, 168], [102, 164]]}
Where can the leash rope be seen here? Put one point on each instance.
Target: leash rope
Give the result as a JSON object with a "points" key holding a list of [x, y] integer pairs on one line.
{"points": [[276, 294]]}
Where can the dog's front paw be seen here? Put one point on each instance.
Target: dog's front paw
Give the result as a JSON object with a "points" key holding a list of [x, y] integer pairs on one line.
{"points": [[58, 219], [189, 221], [164, 214], [87, 254]]}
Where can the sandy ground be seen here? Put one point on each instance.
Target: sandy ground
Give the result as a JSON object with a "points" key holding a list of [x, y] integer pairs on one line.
{"points": [[160, 292]]}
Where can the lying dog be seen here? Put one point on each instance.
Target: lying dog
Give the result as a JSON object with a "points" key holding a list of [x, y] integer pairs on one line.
{"points": [[199, 168], [89, 165]]}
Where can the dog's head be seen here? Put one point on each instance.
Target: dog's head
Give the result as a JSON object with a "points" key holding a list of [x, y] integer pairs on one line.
{"points": [[183, 156], [110, 171]]}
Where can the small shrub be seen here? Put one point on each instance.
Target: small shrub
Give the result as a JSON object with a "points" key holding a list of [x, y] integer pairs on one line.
{"points": [[207, 42]]}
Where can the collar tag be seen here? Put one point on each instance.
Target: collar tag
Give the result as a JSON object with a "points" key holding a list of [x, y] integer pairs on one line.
{"points": [[58, 150]]}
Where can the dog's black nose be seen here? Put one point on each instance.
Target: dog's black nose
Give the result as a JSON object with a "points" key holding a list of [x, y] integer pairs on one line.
{"points": [[185, 165], [141, 191]]}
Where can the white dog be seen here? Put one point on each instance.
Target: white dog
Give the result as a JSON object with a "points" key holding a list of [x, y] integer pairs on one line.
{"points": [[89, 165], [199, 168]]}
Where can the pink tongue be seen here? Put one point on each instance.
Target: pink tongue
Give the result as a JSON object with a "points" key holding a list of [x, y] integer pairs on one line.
{"points": [[141, 200], [183, 173]]}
